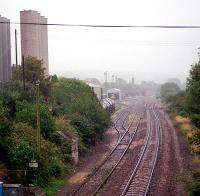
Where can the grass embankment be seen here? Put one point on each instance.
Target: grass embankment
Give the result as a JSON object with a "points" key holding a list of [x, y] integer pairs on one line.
{"points": [[53, 186], [191, 133]]}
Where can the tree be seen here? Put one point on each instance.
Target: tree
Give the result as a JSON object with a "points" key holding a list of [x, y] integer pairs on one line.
{"points": [[26, 113], [33, 72], [75, 100], [175, 81], [177, 103], [193, 94], [8, 100], [169, 89], [54, 78], [5, 124], [22, 144]]}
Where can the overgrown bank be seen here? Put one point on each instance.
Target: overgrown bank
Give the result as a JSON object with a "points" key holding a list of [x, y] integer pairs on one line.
{"points": [[68, 110], [184, 107]]}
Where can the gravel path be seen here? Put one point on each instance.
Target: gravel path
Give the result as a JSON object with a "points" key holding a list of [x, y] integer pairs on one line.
{"points": [[88, 162], [175, 165]]}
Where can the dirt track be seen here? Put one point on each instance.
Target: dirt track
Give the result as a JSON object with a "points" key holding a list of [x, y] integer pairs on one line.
{"points": [[88, 162], [175, 165]]}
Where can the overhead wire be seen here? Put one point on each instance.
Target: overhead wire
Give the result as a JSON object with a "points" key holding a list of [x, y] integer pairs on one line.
{"points": [[107, 26], [118, 26]]}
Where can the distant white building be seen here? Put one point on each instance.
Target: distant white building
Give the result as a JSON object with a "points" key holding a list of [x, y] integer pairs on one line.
{"points": [[114, 93], [96, 89]]}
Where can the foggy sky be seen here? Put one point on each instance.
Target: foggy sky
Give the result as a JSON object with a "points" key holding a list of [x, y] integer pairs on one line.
{"points": [[146, 54]]}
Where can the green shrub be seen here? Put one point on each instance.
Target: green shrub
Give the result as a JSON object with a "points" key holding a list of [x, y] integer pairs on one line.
{"points": [[78, 112], [195, 118], [75, 100], [22, 144], [9, 99], [54, 185], [51, 163], [26, 113], [5, 124], [193, 94], [195, 189], [177, 103]]}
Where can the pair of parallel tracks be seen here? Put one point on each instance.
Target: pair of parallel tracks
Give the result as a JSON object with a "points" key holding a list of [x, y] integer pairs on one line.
{"points": [[139, 181], [101, 174], [141, 175]]}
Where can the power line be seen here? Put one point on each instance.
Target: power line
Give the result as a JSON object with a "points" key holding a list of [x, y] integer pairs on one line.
{"points": [[107, 26]]}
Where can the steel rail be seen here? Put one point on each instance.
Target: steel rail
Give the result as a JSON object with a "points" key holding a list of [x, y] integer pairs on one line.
{"points": [[104, 161], [123, 126], [139, 161], [157, 150], [121, 138], [122, 156], [158, 127], [115, 124]]}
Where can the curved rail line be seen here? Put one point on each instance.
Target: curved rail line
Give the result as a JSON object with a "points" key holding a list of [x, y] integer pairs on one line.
{"points": [[157, 149], [122, 156], [122, 115], [137, 184], [121, 137]]}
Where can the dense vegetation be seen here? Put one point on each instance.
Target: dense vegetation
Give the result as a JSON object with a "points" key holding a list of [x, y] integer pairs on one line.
{"points": [[67, 107], [187, 103]]}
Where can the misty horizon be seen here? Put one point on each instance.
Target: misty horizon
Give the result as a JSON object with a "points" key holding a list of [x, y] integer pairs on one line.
{"points": [[145, 54]]}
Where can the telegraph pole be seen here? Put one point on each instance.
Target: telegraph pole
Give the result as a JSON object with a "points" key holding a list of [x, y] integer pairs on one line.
{"points": [[38, 115], [113, 81], [23, 73], [113, 78], [16, 51], [106, 81]]}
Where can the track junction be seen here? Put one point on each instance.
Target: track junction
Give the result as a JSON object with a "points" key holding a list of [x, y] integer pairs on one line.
{"points": [[133, 159]]}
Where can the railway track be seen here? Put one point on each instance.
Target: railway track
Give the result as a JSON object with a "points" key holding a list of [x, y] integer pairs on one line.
{"points": [[119, 124], [98, 178], [139, 181]]}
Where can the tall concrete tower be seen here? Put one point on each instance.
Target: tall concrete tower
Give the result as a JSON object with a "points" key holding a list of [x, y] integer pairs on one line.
{"points": [[34, 38], [5, 50]]}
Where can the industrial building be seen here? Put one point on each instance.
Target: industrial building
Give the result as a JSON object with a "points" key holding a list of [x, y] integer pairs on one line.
{"points": [[114, 94], [34, 38], [5, 50], [97, 90]]}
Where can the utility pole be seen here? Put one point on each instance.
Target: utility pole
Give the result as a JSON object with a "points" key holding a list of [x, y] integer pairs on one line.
{"points": [[101, 94], [113, 78], [106, 81], [16, 52], [113, 81], [23, 73], [38, 115]]}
